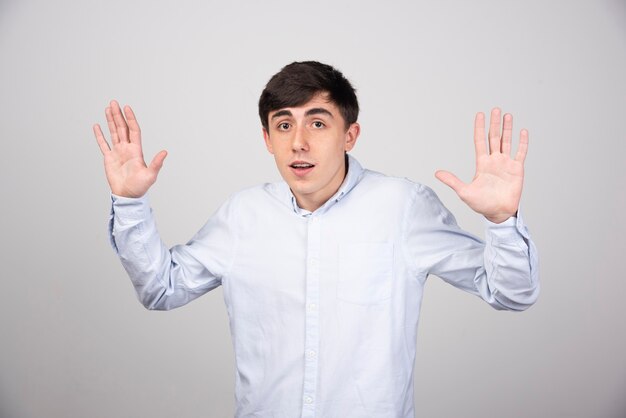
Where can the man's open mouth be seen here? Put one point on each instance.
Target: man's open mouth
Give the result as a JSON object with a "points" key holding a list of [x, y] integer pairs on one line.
{"points": [[302, 165], [301, 168]]}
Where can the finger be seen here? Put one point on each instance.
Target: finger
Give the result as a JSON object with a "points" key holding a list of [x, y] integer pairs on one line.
{"points": [[494, 131], [522, 148], [507, 133], [102, 143], [157, 161], [133, 127], [479, 135], [120, 122], [450, 180], [115, 139]]}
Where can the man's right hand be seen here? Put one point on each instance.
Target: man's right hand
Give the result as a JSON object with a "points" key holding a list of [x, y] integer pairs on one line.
{"points": [[126, 171]]}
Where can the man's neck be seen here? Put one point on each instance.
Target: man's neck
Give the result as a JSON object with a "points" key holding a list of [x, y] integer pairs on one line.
{"points": [[312, 203]]}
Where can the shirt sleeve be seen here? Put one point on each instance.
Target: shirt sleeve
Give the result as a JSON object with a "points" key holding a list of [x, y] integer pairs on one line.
{"points": [[166, 278], [502, 270]]}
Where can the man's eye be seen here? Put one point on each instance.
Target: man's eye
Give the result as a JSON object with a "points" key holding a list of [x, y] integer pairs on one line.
{"points": [[318, 124], [284, 126]]}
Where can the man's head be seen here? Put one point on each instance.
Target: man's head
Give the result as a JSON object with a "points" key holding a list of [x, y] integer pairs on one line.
{"points": [[309, 112], [298, 82]]}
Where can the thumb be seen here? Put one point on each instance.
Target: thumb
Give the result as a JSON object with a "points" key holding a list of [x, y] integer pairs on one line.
{"points": [[450, 180], [157, 161]]}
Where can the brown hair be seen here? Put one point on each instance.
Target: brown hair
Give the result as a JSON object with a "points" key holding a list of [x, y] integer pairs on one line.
{"points": [[298, 82]]}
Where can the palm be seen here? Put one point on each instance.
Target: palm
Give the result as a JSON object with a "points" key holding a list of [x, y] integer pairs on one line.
{"points": [[496, 188], [126, 171]]}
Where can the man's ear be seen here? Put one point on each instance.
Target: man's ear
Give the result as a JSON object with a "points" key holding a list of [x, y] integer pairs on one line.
{"points": [[268, 144], [352, 135]]}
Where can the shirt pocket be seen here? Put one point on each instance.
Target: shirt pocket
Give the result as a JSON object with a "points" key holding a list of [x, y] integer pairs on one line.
{"points": [[365, 271]]}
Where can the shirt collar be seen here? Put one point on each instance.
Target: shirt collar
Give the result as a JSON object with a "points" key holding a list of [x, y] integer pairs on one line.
{"points": [[355, 170]]}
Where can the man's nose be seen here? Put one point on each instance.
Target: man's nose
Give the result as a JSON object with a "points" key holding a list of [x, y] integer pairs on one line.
{"points": [[300, 140]]}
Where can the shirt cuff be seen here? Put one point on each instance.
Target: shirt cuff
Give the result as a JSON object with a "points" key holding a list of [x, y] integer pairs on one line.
{"points": [[512, 226], [125, 212], [130, 207]]}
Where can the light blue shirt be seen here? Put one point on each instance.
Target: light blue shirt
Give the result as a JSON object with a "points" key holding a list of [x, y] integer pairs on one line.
{"points": [[324, 306]]}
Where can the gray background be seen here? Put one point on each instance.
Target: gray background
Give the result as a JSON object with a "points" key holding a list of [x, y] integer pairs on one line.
{"points": [[76, 343]]}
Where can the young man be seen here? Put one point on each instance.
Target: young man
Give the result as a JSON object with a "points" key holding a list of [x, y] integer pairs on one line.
{"points": [[323, 273]]}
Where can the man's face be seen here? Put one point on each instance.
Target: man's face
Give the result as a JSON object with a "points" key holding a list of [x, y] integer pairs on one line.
{"points": [[309, 144]]}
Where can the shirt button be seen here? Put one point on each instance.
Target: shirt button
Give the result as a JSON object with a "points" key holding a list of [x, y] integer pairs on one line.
{"points": [[311, 306], [314, 262], [310, 354], [308, 400]]}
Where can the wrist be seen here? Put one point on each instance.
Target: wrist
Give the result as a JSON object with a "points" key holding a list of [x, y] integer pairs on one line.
{"points": [[129, 193], [498, 219]]}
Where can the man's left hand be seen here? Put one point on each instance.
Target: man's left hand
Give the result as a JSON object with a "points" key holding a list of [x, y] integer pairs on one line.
{"points": [[496, 189]]}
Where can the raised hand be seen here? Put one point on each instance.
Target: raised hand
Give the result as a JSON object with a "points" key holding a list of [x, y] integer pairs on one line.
{"points": [[496, 189], [126, 171]]}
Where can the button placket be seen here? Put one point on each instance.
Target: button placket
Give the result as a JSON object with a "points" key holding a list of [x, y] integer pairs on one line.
{"points": [[311, 342]]}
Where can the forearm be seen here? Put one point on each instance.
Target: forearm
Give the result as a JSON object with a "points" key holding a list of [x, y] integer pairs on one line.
{"points": [[511, 278], [163, 278], [502, 269]]}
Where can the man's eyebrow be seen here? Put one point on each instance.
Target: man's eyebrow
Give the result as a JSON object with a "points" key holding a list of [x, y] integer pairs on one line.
{"points": [[280, 113], [318, 111], [310, 112]]}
